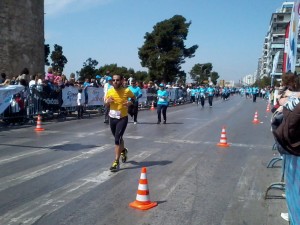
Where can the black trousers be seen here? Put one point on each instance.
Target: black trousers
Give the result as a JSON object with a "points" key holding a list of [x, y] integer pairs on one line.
{"points": [[80, 111], [254, 97], [106, 112], [162, 109], [202, 100], [118, 127], [210, 100]]}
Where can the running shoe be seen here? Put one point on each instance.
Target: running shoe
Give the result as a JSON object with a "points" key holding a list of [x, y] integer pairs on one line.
{"points": [[115, 166], [124, 155]]}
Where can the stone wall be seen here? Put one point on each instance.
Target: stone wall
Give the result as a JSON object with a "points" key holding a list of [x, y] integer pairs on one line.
{"points": [[21, 36]]}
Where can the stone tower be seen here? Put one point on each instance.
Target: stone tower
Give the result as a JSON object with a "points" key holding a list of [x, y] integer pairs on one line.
{"points": [[21, 36]]}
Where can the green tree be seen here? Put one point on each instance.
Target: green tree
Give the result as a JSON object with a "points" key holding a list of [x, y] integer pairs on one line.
{"points": [[58, 59], [265, 81], [164, 50], [47, 52], [115, 69], [88, 70], [201, 72], [214, 76], [141, 76]]}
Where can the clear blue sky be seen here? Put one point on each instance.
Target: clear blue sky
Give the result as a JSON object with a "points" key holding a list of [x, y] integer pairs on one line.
{"points": [[229, 34]]}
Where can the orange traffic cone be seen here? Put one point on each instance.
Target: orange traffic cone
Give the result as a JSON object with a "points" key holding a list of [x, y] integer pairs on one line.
{"points": [[39, 124], [142, 201], [256, 120], [223, 139], [268, 108], [152, 106]]}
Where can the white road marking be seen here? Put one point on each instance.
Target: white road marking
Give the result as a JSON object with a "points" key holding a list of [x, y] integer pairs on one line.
{"points": [[134, 137], [167, 141], [32, 211], [18, 178]]}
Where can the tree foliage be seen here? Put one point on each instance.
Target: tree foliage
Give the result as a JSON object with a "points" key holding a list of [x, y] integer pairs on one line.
{"points": [[214, 76], [201, 72], [46, 54], [265, 81], [115, 69], [88, 70], [58, 59], [164, 50]]}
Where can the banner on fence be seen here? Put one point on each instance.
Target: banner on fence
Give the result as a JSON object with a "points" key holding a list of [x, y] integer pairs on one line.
{"points": [[95, 96], [69, 96]]}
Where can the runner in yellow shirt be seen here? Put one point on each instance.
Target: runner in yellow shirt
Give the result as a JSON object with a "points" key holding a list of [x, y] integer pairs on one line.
{"points": [[118, 100]]}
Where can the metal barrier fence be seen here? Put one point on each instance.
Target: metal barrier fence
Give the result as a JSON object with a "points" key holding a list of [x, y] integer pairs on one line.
{"points": [[292, 183], [24, 105]]}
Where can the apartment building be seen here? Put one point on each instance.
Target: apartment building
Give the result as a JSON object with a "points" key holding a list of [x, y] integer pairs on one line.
{"points": [[274, 42]]}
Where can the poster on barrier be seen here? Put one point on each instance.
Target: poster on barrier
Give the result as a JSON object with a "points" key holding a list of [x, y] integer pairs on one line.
{"points": [[151, 95], [95, 96], [69, 96], [172, 93], [144, 96], [6, 94]]}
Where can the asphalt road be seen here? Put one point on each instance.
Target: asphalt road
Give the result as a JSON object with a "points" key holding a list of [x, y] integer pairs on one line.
{"points": [[60, 176]]}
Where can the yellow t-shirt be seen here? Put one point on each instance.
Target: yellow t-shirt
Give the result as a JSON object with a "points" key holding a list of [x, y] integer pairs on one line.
{"points": [[120, 96]]}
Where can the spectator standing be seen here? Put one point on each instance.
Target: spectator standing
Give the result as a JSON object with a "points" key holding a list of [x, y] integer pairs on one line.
{"points": [[79, 104], [86, 84], [130, 79], [13, 81], [23, 76], [49, 76], [32, 83]]}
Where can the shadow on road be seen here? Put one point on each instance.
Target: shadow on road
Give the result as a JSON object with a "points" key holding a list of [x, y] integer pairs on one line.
{"points": [[146, 164]]}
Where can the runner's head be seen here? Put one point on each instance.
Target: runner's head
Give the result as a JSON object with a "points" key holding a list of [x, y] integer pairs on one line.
{"points": [[117, 81], [133, 82]]}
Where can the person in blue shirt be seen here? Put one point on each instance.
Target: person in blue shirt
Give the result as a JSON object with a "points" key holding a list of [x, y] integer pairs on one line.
{"points": [[193, 94], [248, 92], [136, 90], [254, 93], [225, 93], [162, 103], [202, 92], [210, 92], [86, 84]]}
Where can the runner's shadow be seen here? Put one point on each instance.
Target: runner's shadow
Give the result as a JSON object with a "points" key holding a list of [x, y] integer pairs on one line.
{"points": [[149, 123], [146, 164]]}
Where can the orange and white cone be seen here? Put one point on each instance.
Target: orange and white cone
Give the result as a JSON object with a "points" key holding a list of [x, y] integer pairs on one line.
{"points": [[152, 106], [39, 124], [223, 139], [268, 108], [142, 201], [256, 120]]}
